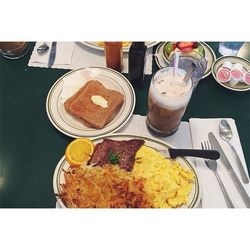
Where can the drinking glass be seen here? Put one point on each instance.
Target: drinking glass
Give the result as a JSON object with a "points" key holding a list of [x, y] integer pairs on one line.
{"points": [[186, 59], [168, 98], [230, 48], [13, 50]]}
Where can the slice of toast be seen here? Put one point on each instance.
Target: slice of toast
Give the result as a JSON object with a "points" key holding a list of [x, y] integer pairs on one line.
{"points": [[82, 107]]}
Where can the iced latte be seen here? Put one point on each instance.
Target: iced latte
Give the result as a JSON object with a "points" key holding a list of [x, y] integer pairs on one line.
{"points": [[167, 101]]}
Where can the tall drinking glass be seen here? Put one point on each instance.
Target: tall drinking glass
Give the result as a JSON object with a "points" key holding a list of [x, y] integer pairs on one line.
{"points": [[186, 59], [230, 48], [168, 98]]}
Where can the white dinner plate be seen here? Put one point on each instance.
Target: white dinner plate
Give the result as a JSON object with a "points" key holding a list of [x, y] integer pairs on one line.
{"points": [[162, 61], [71, 126], [240, 86], [194, 197], [95, 45]]}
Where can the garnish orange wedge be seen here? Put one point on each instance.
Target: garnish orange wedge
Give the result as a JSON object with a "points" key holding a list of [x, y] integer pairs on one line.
{"points": [[79, 151]]}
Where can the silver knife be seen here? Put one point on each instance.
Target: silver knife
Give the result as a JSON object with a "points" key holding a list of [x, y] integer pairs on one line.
{"points": [[52, 55], [216, 145]]}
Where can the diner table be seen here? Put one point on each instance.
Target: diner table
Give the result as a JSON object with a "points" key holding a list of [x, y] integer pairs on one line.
{"points": [[31, 146]]}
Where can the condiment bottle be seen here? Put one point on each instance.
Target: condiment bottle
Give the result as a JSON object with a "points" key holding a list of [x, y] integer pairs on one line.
{"points": [[136, 63], [114, 55]]}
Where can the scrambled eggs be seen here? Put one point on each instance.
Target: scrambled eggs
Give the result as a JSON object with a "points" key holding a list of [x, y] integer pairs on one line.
{"points": [[166, 181]]}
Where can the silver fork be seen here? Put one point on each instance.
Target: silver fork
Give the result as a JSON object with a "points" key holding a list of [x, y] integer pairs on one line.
{"points": [[212, 164]]}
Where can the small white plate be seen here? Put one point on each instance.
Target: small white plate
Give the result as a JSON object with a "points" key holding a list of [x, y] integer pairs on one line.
{"points": [[194, 197], [95, 45], [240, 86], [210, 56], [72, 127]]}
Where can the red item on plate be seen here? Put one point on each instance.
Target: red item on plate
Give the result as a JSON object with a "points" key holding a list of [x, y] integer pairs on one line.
{"points": [[223, 75], [183, 45]]}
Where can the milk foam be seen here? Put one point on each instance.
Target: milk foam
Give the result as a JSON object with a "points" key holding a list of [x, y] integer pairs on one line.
{"points": [[170, 92]]}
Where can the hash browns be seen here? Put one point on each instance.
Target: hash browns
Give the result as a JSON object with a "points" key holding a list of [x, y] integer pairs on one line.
{"points": [[103, 187]]}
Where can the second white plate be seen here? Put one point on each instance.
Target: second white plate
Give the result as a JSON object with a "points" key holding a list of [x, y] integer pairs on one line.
{"points": [[241, 86], [209, 56], [72, 127]]}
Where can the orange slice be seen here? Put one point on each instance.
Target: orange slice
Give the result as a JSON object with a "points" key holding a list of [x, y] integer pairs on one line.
{"points": [[79, 151]]}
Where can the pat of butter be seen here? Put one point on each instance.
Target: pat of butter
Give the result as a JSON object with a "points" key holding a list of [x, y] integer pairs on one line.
{"points": [[99, 100]]}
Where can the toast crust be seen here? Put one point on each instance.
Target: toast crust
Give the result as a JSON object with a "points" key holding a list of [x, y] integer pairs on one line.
{"points": [[82, 107]]}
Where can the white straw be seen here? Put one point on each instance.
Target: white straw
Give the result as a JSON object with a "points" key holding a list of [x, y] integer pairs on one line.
{"points": [[176, 62]]}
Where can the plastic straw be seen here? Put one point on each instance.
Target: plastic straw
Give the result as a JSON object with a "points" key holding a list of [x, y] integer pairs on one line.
{"points": [[176, 62]]}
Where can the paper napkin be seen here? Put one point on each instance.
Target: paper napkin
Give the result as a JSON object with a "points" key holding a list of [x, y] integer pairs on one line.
{"points": [[137, 125], [212, 196], [64, 53]]}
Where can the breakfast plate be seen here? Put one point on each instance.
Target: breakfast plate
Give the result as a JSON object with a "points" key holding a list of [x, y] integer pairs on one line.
{"points": [[99, 45], [241, 85], [193, 198], [163, 61], [71, 126]]}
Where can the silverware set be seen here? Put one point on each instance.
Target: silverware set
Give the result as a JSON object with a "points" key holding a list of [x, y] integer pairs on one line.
{"points": [[44, 48], [226, 134], [212, 165]]}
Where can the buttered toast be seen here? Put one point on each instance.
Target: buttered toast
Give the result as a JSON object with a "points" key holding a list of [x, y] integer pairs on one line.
{"points": [[87, 104]]}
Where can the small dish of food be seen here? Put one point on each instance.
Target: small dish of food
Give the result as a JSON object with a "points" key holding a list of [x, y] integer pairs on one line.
{"points": [[171, 47], [165, 50], [232, 72]]}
